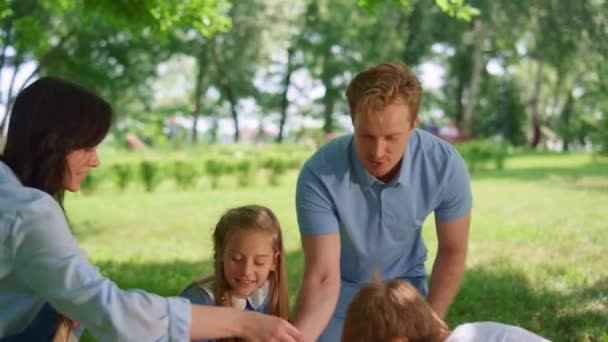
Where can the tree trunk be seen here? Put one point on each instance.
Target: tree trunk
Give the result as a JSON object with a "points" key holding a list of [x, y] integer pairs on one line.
{"points": [[198, 94], [8, 29], [227, 92], [411, 52], [478, 65], [9, 98], [534, 103], [328, 103], [566, 118], [284, 101]]}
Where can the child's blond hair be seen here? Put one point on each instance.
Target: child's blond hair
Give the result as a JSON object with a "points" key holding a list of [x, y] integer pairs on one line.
{"points": [[391, 311], [250, 217]]}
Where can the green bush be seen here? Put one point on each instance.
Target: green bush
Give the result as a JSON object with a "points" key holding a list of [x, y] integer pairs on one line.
{"points": [[214, 168], [245, 170], [122, 175], [150, 175], [477, 153], [277, 166], [185, 174]]}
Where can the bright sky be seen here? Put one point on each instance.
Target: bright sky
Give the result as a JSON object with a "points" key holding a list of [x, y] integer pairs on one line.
{"points": [[5, 79], [302, 94]]}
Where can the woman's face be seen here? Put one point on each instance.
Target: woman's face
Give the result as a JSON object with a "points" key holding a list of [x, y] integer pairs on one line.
{"points": [[79, 163]]}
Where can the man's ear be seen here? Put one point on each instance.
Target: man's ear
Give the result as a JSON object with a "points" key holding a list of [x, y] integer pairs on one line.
{"points": [[415, 123]]}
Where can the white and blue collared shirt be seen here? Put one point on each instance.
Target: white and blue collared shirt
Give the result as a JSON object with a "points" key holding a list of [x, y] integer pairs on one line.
{"points": [[40, 262], [201, 293]]}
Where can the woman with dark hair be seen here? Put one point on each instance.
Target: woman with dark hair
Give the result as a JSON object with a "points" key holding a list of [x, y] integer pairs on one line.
{"points": [[54, 129]]}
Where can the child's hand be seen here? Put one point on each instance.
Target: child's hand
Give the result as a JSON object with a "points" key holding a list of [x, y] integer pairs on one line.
{"points": [[266, 328]]}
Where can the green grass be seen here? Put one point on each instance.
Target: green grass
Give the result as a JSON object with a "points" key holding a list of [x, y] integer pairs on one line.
{"points": [[537, 257]]}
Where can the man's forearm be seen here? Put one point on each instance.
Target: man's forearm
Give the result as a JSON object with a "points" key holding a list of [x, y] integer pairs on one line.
{"points": [[445, 281], [316, 303]]}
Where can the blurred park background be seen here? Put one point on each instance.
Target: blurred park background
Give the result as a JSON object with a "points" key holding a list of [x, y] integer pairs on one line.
{"points": [[218, 103]]}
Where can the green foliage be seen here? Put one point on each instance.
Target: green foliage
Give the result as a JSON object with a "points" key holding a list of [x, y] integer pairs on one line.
{"points": [[455, 8], [601, 135], [245, 170], [277, 165], [150, 173], [185, 174], [122, 175], [458, 9], [215, 167], [477, 153], [92, 181]]}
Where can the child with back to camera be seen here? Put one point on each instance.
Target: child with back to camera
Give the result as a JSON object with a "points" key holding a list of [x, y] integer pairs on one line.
{"points": [[395, 312], [249, 265]]}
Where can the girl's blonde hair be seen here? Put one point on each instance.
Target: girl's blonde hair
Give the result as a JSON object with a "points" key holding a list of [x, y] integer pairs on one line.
{"points": [[392, 311], [250, 217]]}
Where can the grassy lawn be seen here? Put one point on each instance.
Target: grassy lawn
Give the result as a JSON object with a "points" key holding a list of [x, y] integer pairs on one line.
{"points": [[537, 257]]}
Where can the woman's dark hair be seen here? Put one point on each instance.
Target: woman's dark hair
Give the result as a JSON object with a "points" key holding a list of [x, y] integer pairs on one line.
{"points": [[50, 118]]}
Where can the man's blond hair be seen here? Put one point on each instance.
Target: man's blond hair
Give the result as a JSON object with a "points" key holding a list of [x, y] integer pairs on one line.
{"points": [[392, 311], [381, 85]]}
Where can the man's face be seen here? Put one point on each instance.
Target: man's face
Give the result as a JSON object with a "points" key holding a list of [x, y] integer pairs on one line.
{"points": [[381, 139]]}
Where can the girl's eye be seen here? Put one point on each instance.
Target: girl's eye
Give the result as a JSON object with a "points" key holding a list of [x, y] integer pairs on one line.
{"points": [[260, 263], [236, 258]]}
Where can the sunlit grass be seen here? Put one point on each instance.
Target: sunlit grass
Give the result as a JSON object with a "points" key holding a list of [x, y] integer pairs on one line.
{"points": [[537, 255]]}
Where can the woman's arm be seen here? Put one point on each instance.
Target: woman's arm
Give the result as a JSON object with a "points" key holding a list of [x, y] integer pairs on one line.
{"points": [[212, 322]]}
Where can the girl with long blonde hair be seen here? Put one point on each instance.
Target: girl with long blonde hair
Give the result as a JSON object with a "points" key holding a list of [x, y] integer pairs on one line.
{"points": [[249, 264]]}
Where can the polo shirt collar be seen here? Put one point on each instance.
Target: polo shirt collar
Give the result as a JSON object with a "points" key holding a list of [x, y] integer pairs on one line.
{"points": [[367, 180]]}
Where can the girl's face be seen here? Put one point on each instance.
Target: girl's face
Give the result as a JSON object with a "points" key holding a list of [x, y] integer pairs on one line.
{"points": [[79, 163], [248, 259]]}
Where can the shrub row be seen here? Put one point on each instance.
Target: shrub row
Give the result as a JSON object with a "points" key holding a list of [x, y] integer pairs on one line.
{"points": [[150, 173]]}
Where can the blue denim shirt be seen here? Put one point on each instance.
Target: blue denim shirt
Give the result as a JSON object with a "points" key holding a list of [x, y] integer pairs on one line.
{"points": [[40, 262]]}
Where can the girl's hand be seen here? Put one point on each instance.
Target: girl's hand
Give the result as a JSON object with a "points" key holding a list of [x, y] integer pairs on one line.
{"points": [[266, 328]]}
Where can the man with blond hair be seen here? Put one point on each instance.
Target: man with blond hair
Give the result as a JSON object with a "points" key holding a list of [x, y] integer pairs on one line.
{"points": [[361, 201]]}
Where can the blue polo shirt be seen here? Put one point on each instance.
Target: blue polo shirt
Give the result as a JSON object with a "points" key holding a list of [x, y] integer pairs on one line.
{"points": [[380, 223]]}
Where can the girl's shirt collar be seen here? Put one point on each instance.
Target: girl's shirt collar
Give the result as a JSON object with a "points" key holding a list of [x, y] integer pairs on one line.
{"points": [[256, 299]]}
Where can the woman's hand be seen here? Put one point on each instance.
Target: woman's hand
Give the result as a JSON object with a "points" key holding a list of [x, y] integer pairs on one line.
{"points": [[265, 328]]}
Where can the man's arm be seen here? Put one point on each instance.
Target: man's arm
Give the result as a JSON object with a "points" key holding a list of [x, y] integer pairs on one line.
{"points": [[320, 284], [449, 264]]}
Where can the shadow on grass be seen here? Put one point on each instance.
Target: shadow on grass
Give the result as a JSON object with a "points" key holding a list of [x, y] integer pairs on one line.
{"points": [[493, 292], [502, 293]]}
